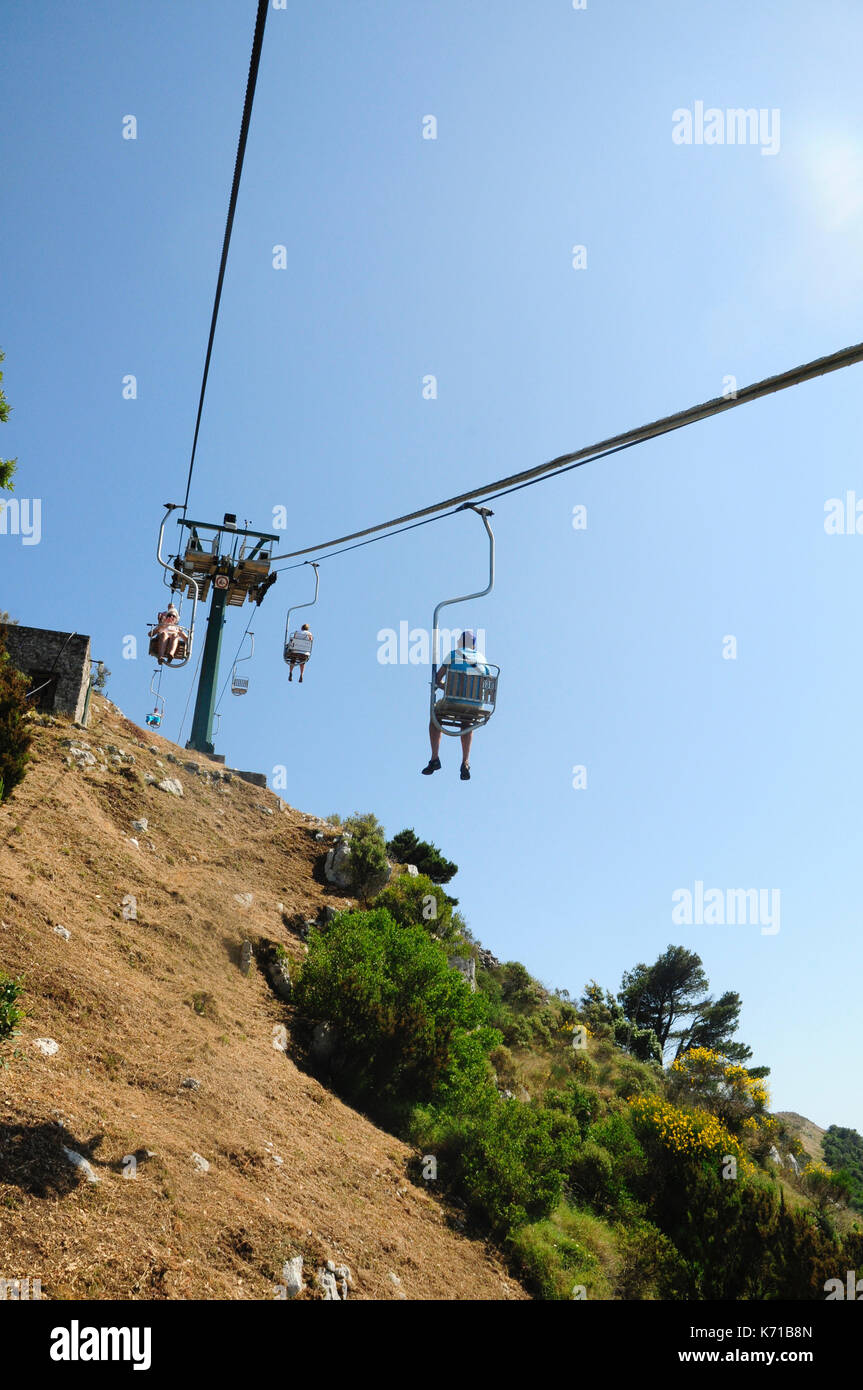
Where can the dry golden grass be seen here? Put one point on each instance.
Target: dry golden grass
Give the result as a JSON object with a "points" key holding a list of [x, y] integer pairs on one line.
{"points": [[136, 1007]]}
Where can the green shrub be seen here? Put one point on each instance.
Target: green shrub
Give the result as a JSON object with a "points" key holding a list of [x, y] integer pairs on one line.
{"points": [[15, 737], [650, 1266], [11, 1014], [578, 1101], [414, 900], [504, 1064], [401, 1012], [592, 1177], [368, 862], [566, 1249], [616, 1136], [513, 1162], [635, 1079]]}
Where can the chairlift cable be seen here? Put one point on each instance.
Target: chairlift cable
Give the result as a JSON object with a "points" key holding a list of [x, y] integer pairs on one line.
{"points": [[233, 665], [189, 696], [846, 357], [254, 62]]}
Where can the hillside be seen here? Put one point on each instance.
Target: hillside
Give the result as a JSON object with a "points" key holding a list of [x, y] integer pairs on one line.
{"points": [[809, 1134], [139, 1007]]}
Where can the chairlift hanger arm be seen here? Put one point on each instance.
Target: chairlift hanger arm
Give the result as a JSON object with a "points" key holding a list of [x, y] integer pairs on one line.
{"points": [[187, 579], [481, 718], [297, 606], [484, 513]]}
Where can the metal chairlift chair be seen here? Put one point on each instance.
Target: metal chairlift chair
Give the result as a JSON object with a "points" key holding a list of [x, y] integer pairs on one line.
{"points": [[299, 644], [181, 581], [240, 684], [154, 719], [469, 697]]}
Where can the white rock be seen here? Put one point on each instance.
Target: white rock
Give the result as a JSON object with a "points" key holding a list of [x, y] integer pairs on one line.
{"points": [[280, 1037], [466, 967], [130, 908], [170, 785], [142, 824], [78, 1161], [200, 1163], [244, 899], [327, 1281], [62, 931], [292, 1275], [47, 1046], [133, 841]]}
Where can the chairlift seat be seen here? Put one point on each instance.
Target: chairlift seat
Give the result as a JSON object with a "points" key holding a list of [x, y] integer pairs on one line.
{"points": [[239, 685], [299, 646], [179, 654], [153, 720], [468, 699]]}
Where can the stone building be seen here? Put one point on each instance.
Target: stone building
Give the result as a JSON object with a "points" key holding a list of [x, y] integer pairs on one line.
{"points": [[58, 662]]}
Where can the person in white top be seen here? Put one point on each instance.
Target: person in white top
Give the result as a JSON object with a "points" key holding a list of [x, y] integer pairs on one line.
{"points": [[299, 650], [463, 657], [168, 632]]}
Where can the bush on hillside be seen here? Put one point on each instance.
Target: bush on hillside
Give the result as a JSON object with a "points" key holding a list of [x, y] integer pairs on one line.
{"points": [[567, 1249], [15, 737], [605, 1017], [11, 1013], [706, 1078], [398, 1006], [368, 864], [509, 1162], [650, 1265], [843, 1150], [405, 848], [414, 900], [577, 1100]]}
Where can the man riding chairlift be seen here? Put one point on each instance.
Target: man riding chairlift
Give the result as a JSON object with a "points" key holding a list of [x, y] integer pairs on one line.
{"points": [[299, 650], [463, 657]]}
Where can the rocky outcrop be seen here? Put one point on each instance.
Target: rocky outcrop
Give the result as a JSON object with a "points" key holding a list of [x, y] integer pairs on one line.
{"points": [[466, 967]]}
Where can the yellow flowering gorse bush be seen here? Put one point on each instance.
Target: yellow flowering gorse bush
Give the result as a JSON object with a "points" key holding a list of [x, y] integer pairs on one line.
{"points": [[684, 1133]]}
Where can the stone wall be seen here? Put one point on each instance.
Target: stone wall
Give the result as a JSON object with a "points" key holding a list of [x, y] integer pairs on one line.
{"points": [[34, 651]]}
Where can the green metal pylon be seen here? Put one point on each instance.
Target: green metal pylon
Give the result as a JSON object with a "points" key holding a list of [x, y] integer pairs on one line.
{"points": [[202, 722]]}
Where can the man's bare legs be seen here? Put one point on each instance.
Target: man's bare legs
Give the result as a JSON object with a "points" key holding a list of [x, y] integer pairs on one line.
{"points": [[434, 740], [465, 747]]}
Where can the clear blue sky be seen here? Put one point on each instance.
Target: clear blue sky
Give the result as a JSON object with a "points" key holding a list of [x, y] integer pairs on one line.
{"points": [[453, 257]]}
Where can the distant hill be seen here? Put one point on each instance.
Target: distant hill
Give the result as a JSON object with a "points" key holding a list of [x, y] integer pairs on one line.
{"points": [[809, 1134]]}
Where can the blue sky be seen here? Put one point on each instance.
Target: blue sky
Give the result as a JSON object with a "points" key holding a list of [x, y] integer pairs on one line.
{"points": [[453, 257]]}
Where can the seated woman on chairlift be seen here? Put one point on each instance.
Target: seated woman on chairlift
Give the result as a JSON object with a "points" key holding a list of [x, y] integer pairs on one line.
{"points": [[167, 633]]}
